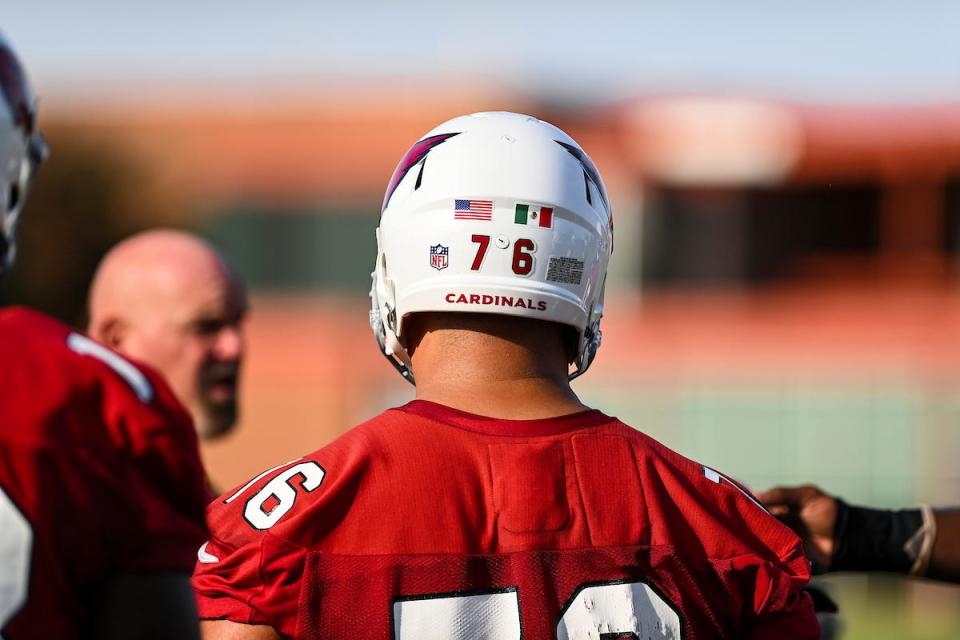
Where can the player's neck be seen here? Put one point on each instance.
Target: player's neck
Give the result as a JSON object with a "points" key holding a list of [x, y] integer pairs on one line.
{"points": [[511, 374]]}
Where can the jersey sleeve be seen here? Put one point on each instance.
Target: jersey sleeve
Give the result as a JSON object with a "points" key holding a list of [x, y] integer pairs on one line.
{"points": [[781, 607], [159, 463], [244, 573], [759, 560], [772, 566], [227, 578]]}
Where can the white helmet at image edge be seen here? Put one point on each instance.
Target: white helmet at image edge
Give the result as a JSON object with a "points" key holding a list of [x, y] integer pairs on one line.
{"points": [[22, 148], [493, 213]]}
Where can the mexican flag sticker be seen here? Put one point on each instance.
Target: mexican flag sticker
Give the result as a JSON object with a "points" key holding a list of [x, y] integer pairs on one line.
{"points": [[533, 215]]}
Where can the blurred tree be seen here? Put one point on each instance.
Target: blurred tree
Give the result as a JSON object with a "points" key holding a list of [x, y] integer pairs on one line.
{"points": [[88, 195]]}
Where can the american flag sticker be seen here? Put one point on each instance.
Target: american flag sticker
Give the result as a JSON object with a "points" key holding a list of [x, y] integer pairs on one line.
{"points": [[473, 209]]}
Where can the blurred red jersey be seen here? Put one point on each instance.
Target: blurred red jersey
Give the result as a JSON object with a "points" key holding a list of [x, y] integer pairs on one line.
{"points": [[428, 523], [99, 476]]}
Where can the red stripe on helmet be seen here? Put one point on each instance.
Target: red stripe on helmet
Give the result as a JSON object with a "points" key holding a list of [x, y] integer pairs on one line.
{"points": [[416, 153]]}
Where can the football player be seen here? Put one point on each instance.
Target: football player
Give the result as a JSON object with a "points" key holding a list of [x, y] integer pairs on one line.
{"points": [[496, 505], [166, 298], [101, 488], [845, 537]]}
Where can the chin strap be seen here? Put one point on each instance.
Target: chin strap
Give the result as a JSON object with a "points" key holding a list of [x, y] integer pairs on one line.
{"points": [[591, 338], [379, 332], [403, 369]]}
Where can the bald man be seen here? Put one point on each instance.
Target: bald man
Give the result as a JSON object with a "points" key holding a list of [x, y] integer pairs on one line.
{"points": [[168, 299]]}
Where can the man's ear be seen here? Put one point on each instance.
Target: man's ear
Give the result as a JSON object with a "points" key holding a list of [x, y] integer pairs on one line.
{"points": [[110, 331]]}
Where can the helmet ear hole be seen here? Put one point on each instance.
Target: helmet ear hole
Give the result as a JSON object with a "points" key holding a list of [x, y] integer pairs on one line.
{"points": [[13, 198]]}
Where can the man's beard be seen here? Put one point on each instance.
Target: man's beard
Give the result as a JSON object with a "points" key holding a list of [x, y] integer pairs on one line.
{"points": [[218, 416]]}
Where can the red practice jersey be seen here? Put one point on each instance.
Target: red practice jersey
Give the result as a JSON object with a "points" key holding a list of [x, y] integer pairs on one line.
{"points": [[427, 523], [99, 476]]}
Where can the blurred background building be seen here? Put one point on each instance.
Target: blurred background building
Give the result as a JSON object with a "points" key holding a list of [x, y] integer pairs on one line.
{"points": [[784, 298]]}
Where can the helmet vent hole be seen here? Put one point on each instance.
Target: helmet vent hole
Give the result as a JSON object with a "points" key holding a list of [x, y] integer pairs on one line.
{"points": [[13, 198], [586, 188], [419, 181]]}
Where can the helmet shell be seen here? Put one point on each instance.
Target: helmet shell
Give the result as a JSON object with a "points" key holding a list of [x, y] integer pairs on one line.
{"points": [[493, 213], [22, 148]]}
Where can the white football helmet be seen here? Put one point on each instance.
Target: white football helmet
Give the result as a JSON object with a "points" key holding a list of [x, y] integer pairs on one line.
{"points": [[493, 213], [22, 148]]}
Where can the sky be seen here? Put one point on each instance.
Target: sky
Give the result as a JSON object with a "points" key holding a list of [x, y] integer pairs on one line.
{"points": [[851, 50]]}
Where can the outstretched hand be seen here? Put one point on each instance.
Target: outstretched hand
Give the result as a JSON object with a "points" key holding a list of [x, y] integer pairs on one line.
{"points": [[812, 514]]}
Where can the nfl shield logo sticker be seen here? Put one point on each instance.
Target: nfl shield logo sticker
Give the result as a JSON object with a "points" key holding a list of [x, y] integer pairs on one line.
{"points": [[439, 256]]}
